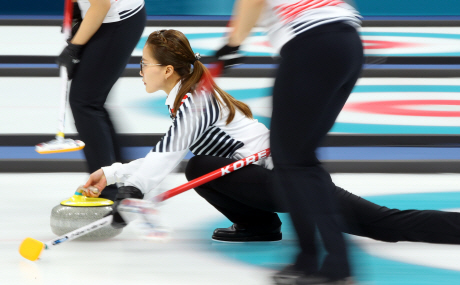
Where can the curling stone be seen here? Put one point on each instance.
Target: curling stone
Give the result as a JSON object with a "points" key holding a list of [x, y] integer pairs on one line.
{"points": [[80, 211]]}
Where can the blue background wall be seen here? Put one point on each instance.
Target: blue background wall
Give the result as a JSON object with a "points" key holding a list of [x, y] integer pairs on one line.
{"points": [[224, 7], [408, 7]]}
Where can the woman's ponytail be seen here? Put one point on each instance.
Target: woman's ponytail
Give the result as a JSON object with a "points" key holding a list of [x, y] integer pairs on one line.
{"points": [[171, 47]]}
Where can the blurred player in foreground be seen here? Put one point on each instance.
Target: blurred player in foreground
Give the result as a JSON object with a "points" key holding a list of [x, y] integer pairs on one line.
{"points": [[321, 60]]}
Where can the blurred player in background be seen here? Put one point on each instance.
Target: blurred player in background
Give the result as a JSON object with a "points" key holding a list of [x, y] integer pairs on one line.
{"points": [[321, 60], [95, 58]]}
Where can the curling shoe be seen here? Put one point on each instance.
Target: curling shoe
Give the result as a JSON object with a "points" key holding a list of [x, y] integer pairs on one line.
{"points": [[237, 233], [287, 276], [321, 280], [291, 276]]}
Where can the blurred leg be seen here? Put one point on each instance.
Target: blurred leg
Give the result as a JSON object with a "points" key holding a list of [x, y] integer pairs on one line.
{"points": [[313, 83], [364, 218], [103, 61]]}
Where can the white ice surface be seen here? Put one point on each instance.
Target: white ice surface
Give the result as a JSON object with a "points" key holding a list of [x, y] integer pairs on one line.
{"points": [[188, 258], [122, 260]]}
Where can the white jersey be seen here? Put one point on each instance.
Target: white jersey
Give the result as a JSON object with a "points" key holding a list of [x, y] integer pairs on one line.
{"points": [[285, 19], [119, 9], [200, 127]]}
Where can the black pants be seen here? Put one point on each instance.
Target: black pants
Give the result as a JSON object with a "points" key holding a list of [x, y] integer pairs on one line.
{"points": [[317, 73], [104, 58], [247, 197]]}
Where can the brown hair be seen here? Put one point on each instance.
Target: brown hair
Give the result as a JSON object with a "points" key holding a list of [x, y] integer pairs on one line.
{"points": [[171, 47]]}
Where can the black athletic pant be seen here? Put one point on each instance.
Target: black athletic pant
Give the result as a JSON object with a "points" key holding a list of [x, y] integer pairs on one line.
{"points": [[247, 197], [104, 58], [317, 73]]}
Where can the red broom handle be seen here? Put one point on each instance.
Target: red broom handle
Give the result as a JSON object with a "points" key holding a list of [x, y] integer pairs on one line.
{"points": [[68, 14], [213, 175]]}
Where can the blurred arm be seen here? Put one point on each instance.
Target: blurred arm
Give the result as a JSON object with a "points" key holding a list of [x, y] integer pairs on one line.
{"points": [[245, 16]]}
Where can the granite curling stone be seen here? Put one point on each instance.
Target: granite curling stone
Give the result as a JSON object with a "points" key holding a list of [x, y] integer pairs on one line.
{"points": [[79, 211]]}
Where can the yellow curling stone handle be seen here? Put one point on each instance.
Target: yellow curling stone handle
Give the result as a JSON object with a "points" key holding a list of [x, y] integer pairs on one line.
{"points": [[80, 200]]}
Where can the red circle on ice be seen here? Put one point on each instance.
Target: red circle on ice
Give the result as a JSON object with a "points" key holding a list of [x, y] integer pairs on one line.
{"points": [[400, 107], [371, 44]]}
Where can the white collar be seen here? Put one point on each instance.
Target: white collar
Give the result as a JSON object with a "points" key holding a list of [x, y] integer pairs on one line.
{"points": [[172, 95]]}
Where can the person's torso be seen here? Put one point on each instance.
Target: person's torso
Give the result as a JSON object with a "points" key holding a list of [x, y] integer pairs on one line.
{"points": [[204, 120], [285, 19], [119, 9], [252, 134]]}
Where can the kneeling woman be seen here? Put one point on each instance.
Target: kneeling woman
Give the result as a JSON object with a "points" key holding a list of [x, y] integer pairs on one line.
{"points": [[206, 120], [219, 130]]}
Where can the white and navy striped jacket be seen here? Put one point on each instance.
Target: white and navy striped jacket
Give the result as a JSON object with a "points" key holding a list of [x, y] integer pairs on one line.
{"points": [[285, 19], [119, 9], [200, 127]]}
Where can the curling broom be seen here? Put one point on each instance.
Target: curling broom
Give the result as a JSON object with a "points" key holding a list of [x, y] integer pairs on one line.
{"points": [[61, 144]]}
